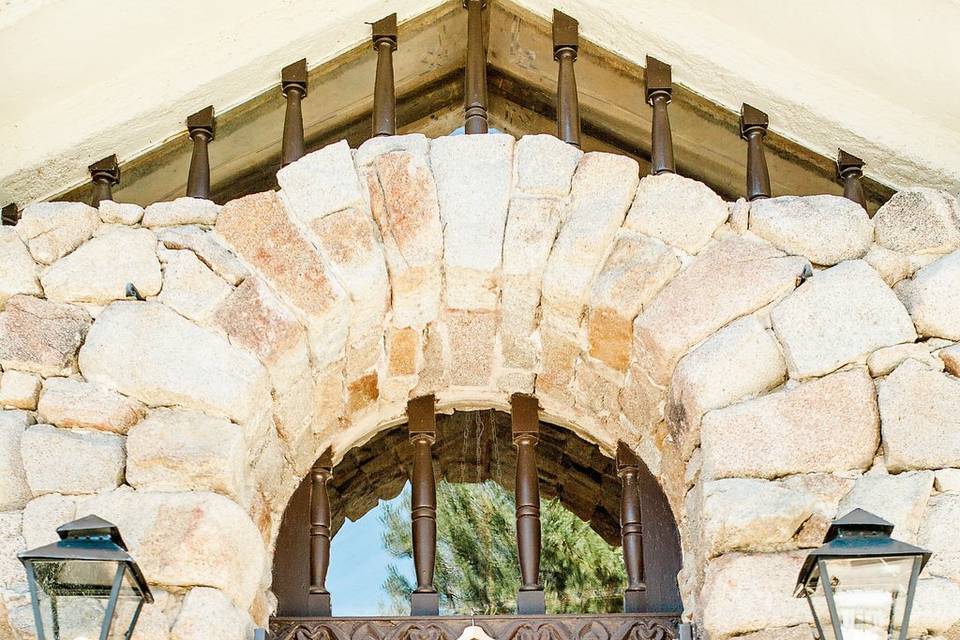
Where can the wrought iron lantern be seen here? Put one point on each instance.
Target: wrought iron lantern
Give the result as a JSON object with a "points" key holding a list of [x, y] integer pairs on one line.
{"points": [[85, 586], [860, 584]]}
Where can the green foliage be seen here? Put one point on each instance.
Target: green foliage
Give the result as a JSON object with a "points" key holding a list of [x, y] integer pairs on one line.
{"points": [[477, 570]]}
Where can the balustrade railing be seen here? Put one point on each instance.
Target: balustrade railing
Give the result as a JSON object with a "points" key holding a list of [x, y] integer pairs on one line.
{"points": [[200, 126]]}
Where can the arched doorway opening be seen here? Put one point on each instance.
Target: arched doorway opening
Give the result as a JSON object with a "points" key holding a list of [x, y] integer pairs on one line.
{"points": [[472, 447]]}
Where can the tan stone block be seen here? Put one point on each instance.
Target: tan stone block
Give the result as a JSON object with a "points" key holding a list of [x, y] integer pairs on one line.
{"points": [[73, 403], [919, 220], [208, 248], [558, 364], [181, 211], [837, 317], [732, 278], [71, 460], [933, 298], [18, 273], [682, 212], [473, 177], [543, 166], [899, 499], [260, 230], [321, 182], [920, 415], [434, 376], [795, 430], [190, 288], [602, 190], [19, 390], [636, 269], [362, 393], [472, 336], [40, 336], [402, 347], [51, 230], [951, 360]]}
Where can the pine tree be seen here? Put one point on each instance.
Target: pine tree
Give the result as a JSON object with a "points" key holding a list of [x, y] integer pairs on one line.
{"points": [[477, 570]]}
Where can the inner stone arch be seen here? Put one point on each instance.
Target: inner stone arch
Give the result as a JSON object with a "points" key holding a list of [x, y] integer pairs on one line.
{"points": [[473, 446]]}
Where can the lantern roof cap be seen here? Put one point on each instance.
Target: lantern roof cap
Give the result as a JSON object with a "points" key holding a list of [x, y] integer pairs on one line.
{"points": [[858, 520], [91, 526]]}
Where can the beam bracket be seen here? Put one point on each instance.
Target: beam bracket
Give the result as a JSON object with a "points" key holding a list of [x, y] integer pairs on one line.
{"points": [[105, 174]]}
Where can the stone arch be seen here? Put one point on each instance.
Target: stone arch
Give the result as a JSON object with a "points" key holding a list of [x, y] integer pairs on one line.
{"points": [[474, 446], [724, 342]]}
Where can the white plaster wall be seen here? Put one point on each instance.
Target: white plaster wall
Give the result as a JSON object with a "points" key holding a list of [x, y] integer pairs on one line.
{"points": [[878, 77]]}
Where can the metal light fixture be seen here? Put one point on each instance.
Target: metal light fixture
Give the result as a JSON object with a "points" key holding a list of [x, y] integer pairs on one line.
{"points": [[85, 586], [860, 584]]}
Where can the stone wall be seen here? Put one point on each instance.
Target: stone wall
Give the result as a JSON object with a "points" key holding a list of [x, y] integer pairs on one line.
{"points": [[773, 364]]}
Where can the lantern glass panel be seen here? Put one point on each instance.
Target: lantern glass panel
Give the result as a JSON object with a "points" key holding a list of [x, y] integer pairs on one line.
{"points": [[869, 596], [74, 596]]}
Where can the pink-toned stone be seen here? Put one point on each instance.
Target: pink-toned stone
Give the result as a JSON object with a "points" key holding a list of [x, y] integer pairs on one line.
{"points": [[348, 240], [472, 336], [636, 269], [40, 336], [733, 278], [558, 364], [254, 318], [260, 230], [69, 402], [603, 187], [403, 200], [181, 211]]}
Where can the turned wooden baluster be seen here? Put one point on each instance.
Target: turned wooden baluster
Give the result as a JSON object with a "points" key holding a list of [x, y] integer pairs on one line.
{"points": [[526, 434], [850, 172], [319, 598], [384, 98], [659, 89], [753, 128], [104, 174], [631, 529], [293, 84], [565, 46], [422, 420], [10, 215], [200, 125], [475, 91]]}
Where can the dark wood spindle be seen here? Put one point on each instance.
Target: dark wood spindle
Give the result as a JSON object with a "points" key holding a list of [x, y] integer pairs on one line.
{"points": [[293, 84], [565, 45], [10, 215], [422, 421], [631, 529], [200, 125], [850, 173], [526, 434], [659, 89], [104, 174], [475, 91], [384, 98], [320, 474], [753, 129]]}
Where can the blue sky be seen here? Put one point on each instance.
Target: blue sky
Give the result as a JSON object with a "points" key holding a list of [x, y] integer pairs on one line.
{"points": [[358, 561]]}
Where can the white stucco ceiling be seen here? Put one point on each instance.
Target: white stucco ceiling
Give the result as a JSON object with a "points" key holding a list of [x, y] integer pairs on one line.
{"points": [[85, 78]]}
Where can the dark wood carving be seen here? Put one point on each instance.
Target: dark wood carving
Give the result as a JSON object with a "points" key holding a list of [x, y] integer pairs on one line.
{"points": [[200, 125], [384, 98], [560, 627], [659, 89], [565, 46], [753, 128], [475, 89], [850, 172], [104, 174], [631, 529], [421, 415], [293, 84], [525, 422], [320, 474]]}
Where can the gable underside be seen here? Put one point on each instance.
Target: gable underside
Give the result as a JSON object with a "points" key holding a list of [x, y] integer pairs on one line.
{"points": [[521, 76]]}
